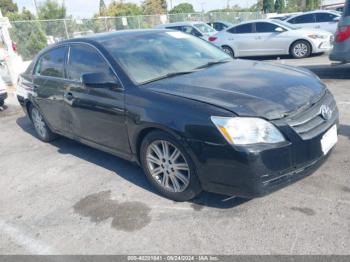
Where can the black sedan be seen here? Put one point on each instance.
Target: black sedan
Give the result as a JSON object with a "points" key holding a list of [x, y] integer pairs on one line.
{"points": [[190, 115]]}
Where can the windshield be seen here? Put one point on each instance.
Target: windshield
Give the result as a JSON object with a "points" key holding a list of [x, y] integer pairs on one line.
{"points": [[204, 28], [150, 56], [285, 24]]}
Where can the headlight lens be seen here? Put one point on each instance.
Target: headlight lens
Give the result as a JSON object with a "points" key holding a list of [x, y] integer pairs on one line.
{"points": [[318, 36], [247, 130]]}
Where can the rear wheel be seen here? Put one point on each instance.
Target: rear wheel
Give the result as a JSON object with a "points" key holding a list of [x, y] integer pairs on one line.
{"points": [[42, 130], [300, 49], [228, 50], [168, 167], [2, 102]]}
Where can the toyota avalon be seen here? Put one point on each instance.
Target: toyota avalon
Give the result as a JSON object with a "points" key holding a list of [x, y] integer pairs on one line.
{"points": [[190, 115]]}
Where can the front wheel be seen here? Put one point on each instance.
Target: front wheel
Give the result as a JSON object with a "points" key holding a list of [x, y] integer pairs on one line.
{"points": [[300, 49], [42, 130], [228, 50], [168, 167]]}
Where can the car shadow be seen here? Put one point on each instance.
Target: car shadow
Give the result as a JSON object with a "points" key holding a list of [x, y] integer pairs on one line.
{"points": [[125, 169], [344, 130], [337, 72]]}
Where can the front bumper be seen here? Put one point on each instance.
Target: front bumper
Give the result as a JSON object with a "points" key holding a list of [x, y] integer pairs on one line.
{"points": [[320, 46], [257, 170]]}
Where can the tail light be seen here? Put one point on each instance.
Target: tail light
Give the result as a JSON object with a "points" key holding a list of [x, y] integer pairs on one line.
{"points": [[212, 38], [342, 34]]}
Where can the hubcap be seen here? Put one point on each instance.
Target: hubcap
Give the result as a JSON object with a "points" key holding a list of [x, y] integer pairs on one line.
{"points": [[228, 51], [38, 122], [168, 166], [300, 49]]}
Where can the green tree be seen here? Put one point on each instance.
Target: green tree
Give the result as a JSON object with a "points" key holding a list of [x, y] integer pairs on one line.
{"points": [[154, 7], [102, 6], [312, 4], [268, 6], [51, 9], [279, 6], [28, 35], [182, 8], [122, 9], [7, 6]]}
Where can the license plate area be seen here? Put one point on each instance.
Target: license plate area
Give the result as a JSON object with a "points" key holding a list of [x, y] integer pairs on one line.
{"points": [[329, 139]]}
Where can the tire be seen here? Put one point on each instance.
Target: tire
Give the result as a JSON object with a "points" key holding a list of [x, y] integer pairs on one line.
{"points": [[2, 102], [300, 49], [174, 178], [228, 50], [42, 130]]}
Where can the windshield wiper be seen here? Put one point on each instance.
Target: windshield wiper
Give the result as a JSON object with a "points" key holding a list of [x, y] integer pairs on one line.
{"points": [[172, 74], [211, 63]]}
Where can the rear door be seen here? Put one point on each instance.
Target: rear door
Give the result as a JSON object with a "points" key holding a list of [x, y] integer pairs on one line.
{"points": [[48, 84], [326, 21], [242, 38], [97, 114]]}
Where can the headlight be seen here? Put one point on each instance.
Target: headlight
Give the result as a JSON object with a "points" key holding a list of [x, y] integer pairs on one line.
{"points": [[318, 36], [247, 130]]}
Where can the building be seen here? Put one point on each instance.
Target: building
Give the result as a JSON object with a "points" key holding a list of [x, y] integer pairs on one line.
{"points": [[333, 4]]}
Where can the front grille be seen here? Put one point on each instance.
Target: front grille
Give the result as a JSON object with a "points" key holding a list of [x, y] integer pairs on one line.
{"points": [[310, 123]]}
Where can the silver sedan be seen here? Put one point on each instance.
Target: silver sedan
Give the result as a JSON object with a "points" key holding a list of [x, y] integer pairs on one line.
{"points": [[272, 37]]}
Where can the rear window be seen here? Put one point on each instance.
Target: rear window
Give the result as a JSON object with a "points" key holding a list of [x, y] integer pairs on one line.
{"points": [[242, 29], [51, 63]]}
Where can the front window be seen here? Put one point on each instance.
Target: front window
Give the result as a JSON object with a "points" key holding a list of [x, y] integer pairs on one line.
{"points": [[204, 28], [146, 57]]}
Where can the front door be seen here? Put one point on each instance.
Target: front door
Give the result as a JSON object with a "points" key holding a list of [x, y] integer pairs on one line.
{"points": [[269, 41], [95, 114]]}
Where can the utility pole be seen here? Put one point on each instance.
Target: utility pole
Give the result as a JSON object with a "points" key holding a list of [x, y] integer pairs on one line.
{"points": [[36, 8]]}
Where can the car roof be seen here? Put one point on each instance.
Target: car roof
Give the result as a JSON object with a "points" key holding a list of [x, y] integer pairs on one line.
{"points": [[256, 21], [313, 12], [102, 37], [179, 24]]}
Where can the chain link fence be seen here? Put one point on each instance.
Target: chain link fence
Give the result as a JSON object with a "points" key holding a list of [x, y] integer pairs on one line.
{"points": [[33, 35]]}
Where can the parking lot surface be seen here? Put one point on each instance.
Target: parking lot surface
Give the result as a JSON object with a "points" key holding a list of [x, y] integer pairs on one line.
{"points": [[67, 198]]}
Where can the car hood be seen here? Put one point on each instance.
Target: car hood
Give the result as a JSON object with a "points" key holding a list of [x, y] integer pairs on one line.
{"points": [[247, 88]]}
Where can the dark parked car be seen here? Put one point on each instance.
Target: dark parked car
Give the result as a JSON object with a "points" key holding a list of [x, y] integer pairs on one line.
{"points": [[341, 50], [193, 117]]}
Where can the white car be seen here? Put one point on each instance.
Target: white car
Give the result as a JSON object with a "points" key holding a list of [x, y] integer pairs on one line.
{"points": [[199, 29], [3, 92], [323, 19], [271, 37]]}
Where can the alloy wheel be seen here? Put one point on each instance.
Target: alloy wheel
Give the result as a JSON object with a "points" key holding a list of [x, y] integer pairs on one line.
{"points": [[301, 49], [38, 122], [168, 166]]}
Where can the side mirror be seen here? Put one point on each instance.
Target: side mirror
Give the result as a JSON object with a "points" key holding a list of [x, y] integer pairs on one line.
{"points": [[336, 19], [279, 30], [98, 80]]}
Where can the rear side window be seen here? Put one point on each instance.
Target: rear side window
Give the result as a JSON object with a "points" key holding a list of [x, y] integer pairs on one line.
{"points": [[324, 17], [51, 63], [265, 27], [174, 28], [303, 19], [84, 59], [242, 29]]}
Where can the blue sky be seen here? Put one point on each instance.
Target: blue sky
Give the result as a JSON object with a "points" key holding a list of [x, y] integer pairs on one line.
{"points": [[86, 8]]}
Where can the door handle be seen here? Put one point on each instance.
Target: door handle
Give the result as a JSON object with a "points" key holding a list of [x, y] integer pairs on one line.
{"points": [[69, 96]]}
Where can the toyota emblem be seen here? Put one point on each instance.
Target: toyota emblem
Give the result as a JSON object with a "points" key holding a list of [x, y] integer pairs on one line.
{"points": [[326, 112]]}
